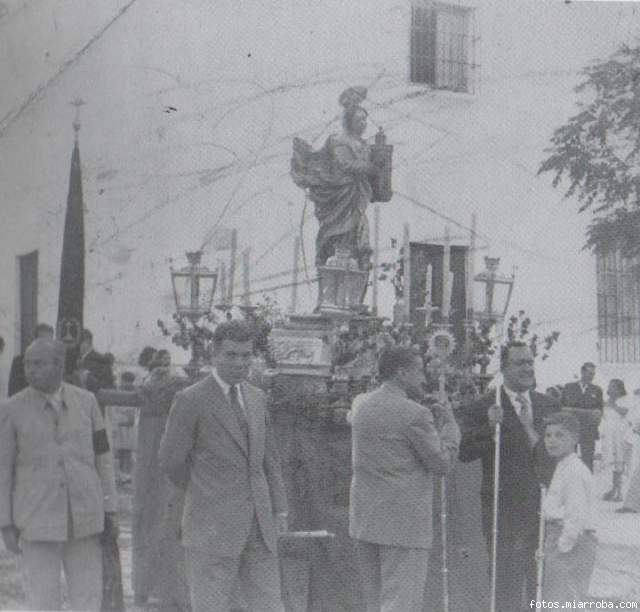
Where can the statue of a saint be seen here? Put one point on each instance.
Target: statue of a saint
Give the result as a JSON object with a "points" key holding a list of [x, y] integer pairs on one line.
{"points": [[338, 179]]}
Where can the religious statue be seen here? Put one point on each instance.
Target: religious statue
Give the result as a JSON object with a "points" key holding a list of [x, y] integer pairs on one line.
{"points": [[340, 179]]}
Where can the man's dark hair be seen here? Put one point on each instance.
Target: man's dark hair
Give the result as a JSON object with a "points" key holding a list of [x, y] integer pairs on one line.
{"points": [[587, 364], [127, 376], [506, 348], [565, 420], [42, 327], [87, 336], [619, 383], [146, 356], [237, 331], [395, 358]]}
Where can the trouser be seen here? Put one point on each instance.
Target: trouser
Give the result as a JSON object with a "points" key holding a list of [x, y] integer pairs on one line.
{"points": [[567, 575], [515, 571], [211, 577], [587, 448], [393, 577], [81, 559]]}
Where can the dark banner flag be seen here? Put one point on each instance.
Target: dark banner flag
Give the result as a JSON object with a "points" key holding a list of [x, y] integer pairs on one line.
{"points": [[71, 298]]}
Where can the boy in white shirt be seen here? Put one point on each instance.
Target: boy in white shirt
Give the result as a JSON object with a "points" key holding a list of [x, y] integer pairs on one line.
{"points": [[570, 542]]}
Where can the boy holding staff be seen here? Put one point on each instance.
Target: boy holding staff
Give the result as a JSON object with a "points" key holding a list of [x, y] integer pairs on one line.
{"points": [[570, 543]]}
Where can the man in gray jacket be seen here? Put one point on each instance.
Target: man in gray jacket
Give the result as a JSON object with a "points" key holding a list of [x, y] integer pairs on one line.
{"points": [[219, 443], [397, 448], [56, 483]]}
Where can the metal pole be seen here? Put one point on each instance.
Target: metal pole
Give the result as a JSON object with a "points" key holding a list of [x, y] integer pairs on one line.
{"points": [[471, 266], [540, 551], [446, 276], [376, 260], [223, 281], [294, 280], [496, 498], [443, 506], [406, 260], [232, 264], [246, 276]]}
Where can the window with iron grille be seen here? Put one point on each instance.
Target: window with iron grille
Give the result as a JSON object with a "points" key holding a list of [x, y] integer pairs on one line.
{"points": [[443, 46], [618, 289]]}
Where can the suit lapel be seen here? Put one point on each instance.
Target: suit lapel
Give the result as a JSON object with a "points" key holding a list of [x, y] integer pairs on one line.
{"points": [[509, 411], [537, 412], [221, 410], [256, 423], [512, 420]]}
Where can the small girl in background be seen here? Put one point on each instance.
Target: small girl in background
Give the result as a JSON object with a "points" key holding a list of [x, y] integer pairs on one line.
{"points": [[570, 542], [613, 428]]}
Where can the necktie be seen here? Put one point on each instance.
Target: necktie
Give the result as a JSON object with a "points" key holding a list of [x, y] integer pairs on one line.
{"points": [[526, 418], [236, 406], [49, 405]]}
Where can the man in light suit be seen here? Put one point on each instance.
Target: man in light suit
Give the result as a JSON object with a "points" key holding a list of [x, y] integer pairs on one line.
{"points": [[57, 488], [586, 400], [397, 448], [219, 442], [524, 464]]}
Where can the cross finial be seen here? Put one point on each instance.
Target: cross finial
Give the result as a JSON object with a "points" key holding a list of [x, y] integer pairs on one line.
{"points": [[77, 102]]}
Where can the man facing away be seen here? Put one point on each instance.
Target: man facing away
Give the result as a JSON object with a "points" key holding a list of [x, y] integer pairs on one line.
{"points": [[56, 483], [397, 448], [586, 400], [220, 443], [524, 463]]}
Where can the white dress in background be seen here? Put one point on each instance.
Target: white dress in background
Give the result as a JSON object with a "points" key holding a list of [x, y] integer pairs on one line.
{"points": [[613, 428]]}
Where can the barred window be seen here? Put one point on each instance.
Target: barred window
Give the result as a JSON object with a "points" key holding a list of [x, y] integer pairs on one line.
{"points": [[443, 46], [618, 289]]}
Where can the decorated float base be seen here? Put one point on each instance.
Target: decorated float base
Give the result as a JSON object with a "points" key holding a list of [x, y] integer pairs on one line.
{"points": [[308, 406]]}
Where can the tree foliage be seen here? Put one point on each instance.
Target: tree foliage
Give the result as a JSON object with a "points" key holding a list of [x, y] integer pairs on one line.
{"points": [[595, 155]]}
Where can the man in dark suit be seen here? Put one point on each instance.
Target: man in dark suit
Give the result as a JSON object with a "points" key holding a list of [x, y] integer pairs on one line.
{"points": [[586, 400], [219, 441], [17, 378], [98, 367], [397, 449], [524, 463]]}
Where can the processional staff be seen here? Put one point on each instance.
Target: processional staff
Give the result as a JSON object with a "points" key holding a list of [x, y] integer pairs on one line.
{"points": [[540, 551], [441, 345], [496, 498]]}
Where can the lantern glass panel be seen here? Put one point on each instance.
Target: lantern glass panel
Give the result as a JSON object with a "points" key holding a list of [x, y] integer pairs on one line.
{"points": [[205, 290], [182, 291], [500, 297]]}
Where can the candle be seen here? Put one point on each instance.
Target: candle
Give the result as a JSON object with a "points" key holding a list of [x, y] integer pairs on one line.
{"points": [[446, 276], [429, 285]]}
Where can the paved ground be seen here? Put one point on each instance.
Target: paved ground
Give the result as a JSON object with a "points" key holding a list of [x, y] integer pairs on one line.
{"points": [[617, 570]]}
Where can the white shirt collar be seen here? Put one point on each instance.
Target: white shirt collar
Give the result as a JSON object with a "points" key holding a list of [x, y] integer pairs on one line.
{"points": [[225, 386], [55, 398], [512, 395], [566, 461]]}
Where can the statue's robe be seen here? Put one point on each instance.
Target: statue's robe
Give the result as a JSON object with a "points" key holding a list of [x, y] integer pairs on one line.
{"points": [[338, 179]]}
